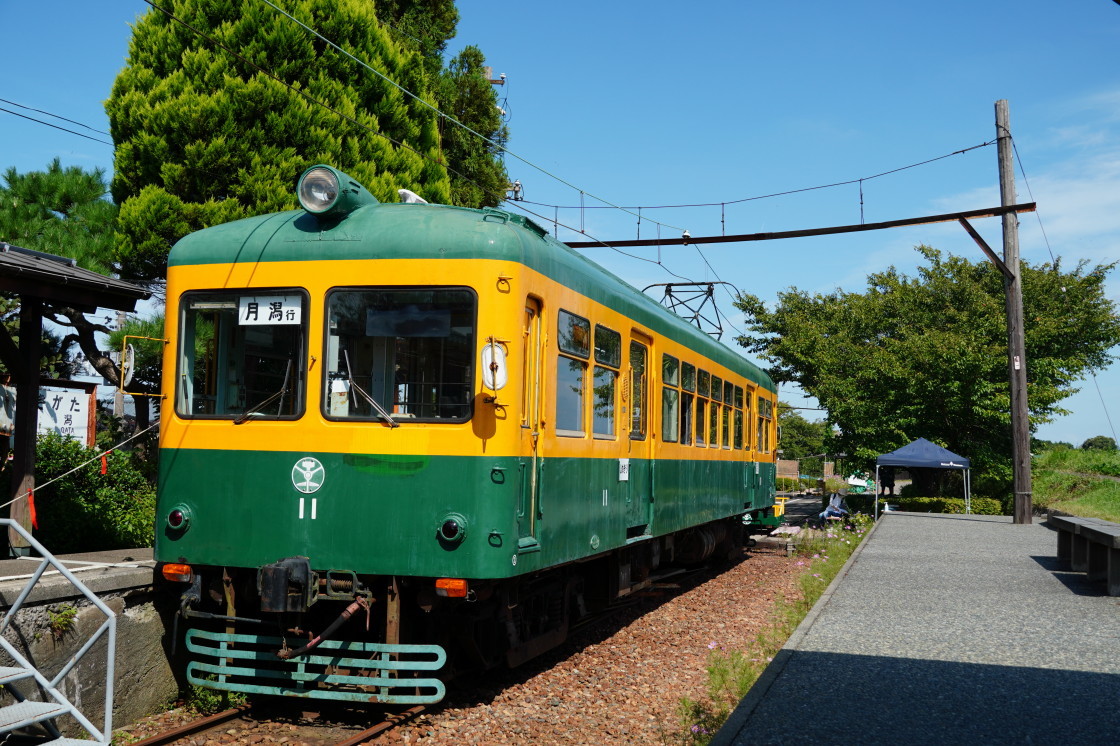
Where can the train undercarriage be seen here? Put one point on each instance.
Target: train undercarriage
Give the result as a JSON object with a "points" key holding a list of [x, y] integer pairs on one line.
{"points": [[286, 629]]}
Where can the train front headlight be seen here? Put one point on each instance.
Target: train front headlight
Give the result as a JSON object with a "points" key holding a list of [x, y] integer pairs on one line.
{"points": [[318, 189], [328, 193]]}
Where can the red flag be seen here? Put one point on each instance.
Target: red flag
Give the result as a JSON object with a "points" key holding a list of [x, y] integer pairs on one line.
{"points": [[104, 463], [31, 509]]}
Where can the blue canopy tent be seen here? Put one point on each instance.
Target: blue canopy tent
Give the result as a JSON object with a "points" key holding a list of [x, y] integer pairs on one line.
{"points": [[924, 454]]}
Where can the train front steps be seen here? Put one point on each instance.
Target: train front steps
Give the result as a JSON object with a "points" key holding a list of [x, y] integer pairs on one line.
{"points": [[27, 713]]}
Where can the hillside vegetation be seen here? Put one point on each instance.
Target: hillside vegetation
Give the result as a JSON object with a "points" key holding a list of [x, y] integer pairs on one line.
{"points": [[1085, 483]]}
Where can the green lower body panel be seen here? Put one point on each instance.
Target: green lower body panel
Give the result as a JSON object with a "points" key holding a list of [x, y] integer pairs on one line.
{"points": [[379, 672]]}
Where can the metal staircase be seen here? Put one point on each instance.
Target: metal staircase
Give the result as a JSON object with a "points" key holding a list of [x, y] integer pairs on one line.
{"points": [[52, 702]]}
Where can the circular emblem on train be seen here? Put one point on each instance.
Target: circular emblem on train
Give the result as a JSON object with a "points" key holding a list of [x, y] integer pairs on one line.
{"points": [[308, 475]]}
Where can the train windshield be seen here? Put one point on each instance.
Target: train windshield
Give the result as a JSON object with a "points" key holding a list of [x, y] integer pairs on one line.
{"points": [[240, 354], [400, 353]]}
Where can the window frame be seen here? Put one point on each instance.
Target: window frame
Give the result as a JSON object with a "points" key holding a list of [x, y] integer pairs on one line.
{"points": [[670, 389], [612, 369], [299, 360], [583, 359], [472, 351]]}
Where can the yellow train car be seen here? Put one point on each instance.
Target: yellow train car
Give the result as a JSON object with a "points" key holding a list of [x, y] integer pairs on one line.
{"points": [[440, 415]]}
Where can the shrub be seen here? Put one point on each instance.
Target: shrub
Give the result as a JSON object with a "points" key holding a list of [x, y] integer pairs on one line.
{"points": [[788, 484], [980, 505], [89, 511], [1099, 443]]}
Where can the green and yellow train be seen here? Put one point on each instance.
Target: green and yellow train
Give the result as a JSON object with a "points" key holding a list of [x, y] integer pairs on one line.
{"points": [[407, 439]]}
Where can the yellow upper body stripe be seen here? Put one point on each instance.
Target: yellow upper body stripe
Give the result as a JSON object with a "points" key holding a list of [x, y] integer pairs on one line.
{"points": [[497, 431]]}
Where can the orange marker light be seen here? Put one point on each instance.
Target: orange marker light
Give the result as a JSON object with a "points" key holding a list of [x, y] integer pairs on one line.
{"points": [[451, 587], [177, 573]]}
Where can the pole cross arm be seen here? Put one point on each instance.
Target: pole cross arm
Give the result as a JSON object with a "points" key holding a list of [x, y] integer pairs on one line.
{"points": [[1007, 271], [989, 212]]}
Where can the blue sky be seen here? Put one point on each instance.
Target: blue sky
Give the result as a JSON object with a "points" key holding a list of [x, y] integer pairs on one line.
{"points": [[659, 103]]}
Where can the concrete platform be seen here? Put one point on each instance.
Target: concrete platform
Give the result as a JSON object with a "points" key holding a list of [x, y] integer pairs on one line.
{"points": [[101, 572], [944, 629]]}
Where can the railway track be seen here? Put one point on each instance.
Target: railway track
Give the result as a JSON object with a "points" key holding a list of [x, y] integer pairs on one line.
{"points": [[339, 726], [212, 728]]}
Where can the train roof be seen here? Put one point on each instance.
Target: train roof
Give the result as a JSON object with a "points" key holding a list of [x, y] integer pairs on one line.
{"points": [[423, 231]]}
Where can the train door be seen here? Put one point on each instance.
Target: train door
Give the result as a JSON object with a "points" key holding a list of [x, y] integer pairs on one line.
{"points": [[639, 488], [531, 412]]}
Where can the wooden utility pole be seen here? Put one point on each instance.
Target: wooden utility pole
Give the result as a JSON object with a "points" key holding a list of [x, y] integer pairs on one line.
{"points": [[1016, 346], [27, 419]]}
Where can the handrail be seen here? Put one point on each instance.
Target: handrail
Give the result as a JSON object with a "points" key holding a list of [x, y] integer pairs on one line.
{"points": [[104, 735]]}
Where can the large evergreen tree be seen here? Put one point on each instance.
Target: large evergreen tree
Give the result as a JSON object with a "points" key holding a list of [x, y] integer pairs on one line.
{"points": [[464, 92], [926, 356], [203, 136], [478, 174], [425, 25]]}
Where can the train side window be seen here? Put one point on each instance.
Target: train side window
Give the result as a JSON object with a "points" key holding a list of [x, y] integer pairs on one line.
{"points": [[688, 385], [703, 380], [713, 426], [574, 334], [574, 340], [670, 398], [747, 421], [714, 417], [738, 417], [728, 397], [765, 411], [638, 361], [608, 359]]}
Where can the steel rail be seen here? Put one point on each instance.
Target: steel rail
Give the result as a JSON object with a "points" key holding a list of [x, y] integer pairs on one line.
{"points": [[193, 727], [390, 722]]}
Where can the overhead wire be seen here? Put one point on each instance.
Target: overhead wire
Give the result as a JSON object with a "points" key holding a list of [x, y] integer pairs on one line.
{"points": [[353, 121], [500, 147], [1027, 183], [519, 206], [1104, 407], [1054, 263], [55, 126], [446, 116], [56, 116], [308, 97], [787, 192]]}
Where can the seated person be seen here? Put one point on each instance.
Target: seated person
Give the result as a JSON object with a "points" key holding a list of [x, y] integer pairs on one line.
{"points": [[835, 507]]}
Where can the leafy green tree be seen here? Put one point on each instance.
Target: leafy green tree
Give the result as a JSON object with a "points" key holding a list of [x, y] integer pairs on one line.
{"points": [[1038, 445], [204, 137], [1099, 443], [801, 439], [478, 174], [926, 356]]}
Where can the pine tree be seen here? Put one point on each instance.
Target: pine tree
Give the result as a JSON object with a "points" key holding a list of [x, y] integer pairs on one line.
{"points": [[61, 211], [204, 137]]}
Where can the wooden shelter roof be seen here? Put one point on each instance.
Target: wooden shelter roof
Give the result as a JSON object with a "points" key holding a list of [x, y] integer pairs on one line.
{"points": [[59, 280]]}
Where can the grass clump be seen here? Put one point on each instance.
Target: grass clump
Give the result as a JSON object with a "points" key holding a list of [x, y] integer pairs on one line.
{"points": [[731, 673], [1076, 482]]}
